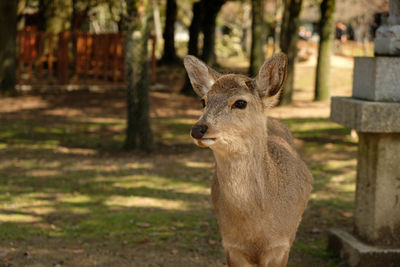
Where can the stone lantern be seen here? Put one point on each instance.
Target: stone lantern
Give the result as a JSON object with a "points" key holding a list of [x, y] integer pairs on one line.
{"points": [[374, 112]]}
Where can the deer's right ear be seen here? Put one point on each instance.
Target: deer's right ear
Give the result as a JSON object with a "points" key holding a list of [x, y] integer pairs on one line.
{"points": [[272, 75], [201, 76]]}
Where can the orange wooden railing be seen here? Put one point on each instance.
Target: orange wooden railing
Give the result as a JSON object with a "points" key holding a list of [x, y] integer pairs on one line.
{"points": [[70, 58]]}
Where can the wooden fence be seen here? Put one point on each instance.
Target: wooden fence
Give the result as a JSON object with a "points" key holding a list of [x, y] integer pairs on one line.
{"points": [[70, 58]]}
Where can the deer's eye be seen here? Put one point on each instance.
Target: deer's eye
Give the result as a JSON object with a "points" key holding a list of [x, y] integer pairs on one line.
{"points": [[203, 103], [240, 104]]}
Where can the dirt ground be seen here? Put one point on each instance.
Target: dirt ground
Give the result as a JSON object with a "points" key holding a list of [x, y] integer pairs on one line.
{"points": [[54, 107]]}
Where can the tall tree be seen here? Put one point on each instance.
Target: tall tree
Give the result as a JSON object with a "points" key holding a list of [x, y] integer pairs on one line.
{"points": [[288, 44], [212, 7], [169, 55], [326, 27], [8, 44], [257, 36], [193, 44], [195, 28], [137, 27], [205, 23], [44, 6]]}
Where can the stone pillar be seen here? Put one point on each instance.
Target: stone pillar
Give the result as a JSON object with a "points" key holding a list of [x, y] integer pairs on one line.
{"points": [[377, 212], [375, 240], [374, 112]]}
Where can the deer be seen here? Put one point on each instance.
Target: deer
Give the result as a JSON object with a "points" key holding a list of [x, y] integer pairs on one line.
{"points": [[261, 186]]}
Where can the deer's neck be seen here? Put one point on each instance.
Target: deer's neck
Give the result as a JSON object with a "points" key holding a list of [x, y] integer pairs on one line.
{"points": [[242, 177]]}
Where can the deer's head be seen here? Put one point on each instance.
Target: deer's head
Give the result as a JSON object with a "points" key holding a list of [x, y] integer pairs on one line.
{"points": [[234, 105]]}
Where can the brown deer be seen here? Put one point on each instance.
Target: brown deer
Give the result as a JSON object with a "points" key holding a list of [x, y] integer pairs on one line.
{"points": [[261, 186]]}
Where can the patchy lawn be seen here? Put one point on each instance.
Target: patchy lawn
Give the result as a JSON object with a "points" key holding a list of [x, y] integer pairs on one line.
{"points": [[69, 196]]}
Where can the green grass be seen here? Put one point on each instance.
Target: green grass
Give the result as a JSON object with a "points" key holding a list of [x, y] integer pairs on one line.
{"points": [[70, 179]]}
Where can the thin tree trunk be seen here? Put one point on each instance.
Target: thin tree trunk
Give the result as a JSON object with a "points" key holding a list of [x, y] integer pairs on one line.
{"points": [[21, 15], [245, 40], [193, 44], [257, 36], [138, 131], [326, 25], [8, 44], [278, 23], [288, 44], [157, 23], [209, 22], [169, 55], [73, 15], [195, 28], [42, 15]]}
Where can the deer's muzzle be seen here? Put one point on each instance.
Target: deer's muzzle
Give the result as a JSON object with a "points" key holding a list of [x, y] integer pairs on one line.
{"points": [[198, 131]]}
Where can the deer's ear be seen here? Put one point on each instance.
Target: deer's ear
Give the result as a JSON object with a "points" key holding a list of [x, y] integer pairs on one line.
{"points": [[271, 76], [201, 76]]}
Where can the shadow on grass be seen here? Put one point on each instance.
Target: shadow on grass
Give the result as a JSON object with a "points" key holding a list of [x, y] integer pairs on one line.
{"points": [[63, 176]]}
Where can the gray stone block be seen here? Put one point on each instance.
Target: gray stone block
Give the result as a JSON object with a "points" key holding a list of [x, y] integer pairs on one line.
{"points": [[377, 78], [359, 254], [366, 116], [377, 211]]}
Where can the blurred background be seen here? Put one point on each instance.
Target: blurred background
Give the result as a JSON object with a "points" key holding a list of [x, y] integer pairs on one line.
{"points": [[97, 167]]}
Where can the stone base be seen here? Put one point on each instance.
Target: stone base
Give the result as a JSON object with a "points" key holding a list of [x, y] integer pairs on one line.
{"points": [[359, 254]]}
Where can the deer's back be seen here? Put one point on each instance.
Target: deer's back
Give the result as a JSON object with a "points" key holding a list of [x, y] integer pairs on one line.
{"points": [[293, 177]]}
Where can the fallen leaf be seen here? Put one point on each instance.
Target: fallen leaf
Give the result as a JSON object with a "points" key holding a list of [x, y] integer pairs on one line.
{"points": [[142, 241], [143, 225], [316, 230], [346, 214], [212, 242]]}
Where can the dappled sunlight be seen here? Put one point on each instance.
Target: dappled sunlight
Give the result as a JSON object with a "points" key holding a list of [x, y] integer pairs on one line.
{"points": [[73, 198], [69, 112], [102, 120], [161, 183], [193, 164], [63, 175], [19, 218], [146, 202], [11, 104], [42, 173], [77, 151], [137, 165]]}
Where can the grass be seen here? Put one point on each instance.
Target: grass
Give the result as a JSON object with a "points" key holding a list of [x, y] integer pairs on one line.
{"points": [[65, 180]]}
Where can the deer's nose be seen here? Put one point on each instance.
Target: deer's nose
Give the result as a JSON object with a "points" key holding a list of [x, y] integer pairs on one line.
{"points": [[198, 131]]}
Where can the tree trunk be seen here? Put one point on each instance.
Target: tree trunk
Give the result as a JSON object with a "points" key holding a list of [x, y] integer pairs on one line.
{"points": [[209, 22], [42, 15], [278, 24], [138, 131], [194, 29], [157, 23], [257, 36], [326, 26], [193, 44], [8, 45], [288, 44], [20, 15], [169, 55], [245, 40]]}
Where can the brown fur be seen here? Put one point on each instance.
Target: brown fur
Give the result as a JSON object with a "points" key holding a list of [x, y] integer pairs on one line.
{"points": [[261, 186]]}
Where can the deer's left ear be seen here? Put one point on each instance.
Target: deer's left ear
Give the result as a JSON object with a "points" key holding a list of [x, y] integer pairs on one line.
{"points": [[271, 76]]}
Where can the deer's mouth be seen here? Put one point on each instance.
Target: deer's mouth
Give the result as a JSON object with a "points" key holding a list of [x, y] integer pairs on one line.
{"points": [[205, 142]]}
